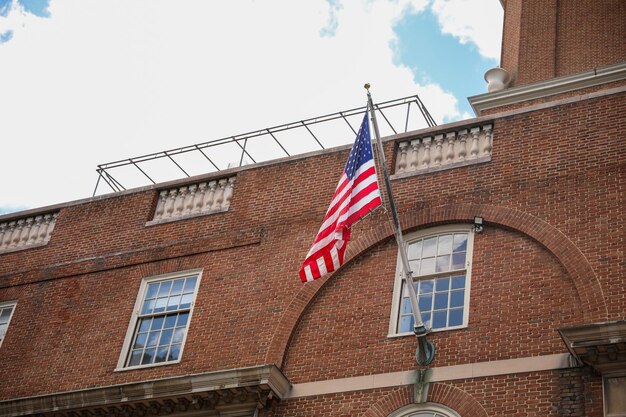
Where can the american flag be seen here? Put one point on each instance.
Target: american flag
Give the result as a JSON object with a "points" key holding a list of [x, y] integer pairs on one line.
{"points": [[356, 195]]}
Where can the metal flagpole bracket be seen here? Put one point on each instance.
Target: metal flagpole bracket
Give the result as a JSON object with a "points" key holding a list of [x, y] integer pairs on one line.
{"points": [[425, 352], [422, 383]]}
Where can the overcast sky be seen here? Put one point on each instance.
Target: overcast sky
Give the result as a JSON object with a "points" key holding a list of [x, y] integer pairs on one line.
{"points": [[88, 82]]}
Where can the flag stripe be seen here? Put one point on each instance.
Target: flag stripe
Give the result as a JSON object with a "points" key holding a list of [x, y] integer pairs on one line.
{"points": [[357, 193]]}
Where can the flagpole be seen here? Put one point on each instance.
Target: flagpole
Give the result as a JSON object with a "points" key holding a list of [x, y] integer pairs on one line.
{"points": [[428, 349]]}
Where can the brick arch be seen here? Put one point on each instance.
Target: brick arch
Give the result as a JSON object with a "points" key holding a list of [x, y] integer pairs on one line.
{"points": [[390, 402], [167, 266], [452, 397], [571, 258], [457, 399]]}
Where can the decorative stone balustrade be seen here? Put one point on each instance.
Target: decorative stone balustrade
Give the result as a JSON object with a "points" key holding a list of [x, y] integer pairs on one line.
{"points": [[444, 150], [26, 232], [194, 199]]}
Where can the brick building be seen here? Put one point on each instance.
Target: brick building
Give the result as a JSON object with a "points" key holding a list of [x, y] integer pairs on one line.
{"points": [[183, 299]]}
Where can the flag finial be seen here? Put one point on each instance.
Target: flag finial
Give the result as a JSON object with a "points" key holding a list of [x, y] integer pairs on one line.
{"points": [[367, 86]]}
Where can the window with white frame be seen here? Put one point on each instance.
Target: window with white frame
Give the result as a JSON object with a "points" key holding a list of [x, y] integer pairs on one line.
{"points": [[158, 327], [440, 260], [6, 312], [424, 410]]}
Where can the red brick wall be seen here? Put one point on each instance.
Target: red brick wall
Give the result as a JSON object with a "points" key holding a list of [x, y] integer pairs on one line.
{"points": [[509, 55], [562, 166], [547, 39], [517, 293], [535, 21], [590, 35]]}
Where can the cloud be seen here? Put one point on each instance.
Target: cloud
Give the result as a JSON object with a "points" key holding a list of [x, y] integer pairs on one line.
{"points": [[331, 25], [5, 6], [17, 15], [6, 36], [36, 7], [102, 81], [472, 21]]}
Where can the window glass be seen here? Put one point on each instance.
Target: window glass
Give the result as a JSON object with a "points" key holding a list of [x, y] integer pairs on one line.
{"points": [[440, 266], [162, 322], [6, 311]]}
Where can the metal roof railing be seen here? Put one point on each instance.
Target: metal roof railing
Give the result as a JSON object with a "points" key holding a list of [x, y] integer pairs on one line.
{"points": [[260, 145]]}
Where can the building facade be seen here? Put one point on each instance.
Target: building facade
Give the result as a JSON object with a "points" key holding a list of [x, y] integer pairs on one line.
{"points": [[183, 298]]}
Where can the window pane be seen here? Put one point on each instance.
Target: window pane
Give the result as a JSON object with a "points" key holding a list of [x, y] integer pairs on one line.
{"points": [[172, 303], [426, 286], [178, 335], [445, 244], [157, 323], [170, 321], [185, 301], [441, 301], [160, 305], [428, 266], [429, 247], [135, 357], [415, 250], [3, 330], [439, 319], [425, 302], [166, 337], [415, 267], [190, 284], [458, 260], [456, 317], [406, 307], [182, 319], [177, 287], [152, 290], [148, 356], [140, 342], [443, 284], [458, 282], [443, 263], [144, 324], [153, 338], [161, 355], [457, 298], [165, 288], [460, 242], [148, 306], [174, 353], [4, 316], [406, 324], [426, 319]]}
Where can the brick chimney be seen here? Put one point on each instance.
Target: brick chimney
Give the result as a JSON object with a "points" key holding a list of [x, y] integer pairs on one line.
{"points": [[544, 39]]}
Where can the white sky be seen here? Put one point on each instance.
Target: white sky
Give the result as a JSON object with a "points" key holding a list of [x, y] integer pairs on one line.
{"points": [[105, 80]]}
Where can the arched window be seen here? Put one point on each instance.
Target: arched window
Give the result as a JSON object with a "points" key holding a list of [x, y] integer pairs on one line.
{"points": [[424, 410], [441, 262]]}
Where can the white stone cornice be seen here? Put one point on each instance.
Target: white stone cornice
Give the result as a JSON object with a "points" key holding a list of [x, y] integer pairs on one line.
{"points": [[547, 88], [228, 391]]}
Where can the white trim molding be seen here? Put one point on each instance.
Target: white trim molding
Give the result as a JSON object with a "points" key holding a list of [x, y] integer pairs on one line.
{"points": [[444, 373], [547, 88], [424, 409]]}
